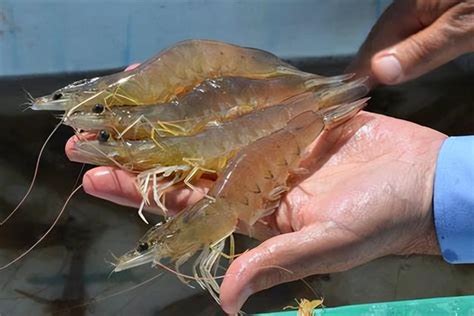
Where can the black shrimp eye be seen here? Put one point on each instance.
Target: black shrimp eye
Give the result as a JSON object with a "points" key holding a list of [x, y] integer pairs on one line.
{"points": [[103, 136], [143, 246], [57, 96], [98, 108]]}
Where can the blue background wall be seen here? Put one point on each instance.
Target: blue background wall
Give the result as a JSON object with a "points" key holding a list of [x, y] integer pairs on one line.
{"points": [[52, 36]]}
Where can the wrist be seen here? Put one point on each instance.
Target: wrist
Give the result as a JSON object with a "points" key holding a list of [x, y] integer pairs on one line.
{"points": [[425, 240]]}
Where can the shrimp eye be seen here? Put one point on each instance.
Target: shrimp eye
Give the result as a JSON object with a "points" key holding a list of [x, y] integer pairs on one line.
{"points": [[98, 108], [143, 246], [57, 96], [103, 136]]}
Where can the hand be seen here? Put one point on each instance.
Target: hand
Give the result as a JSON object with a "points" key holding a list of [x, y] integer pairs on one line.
{"points": [[413, 37], [369, 195]]}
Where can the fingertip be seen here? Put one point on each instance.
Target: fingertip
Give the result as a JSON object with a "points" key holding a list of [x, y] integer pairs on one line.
{"points": [[87, 183], [235, 289], [111, 184], [258, 269], [387, 68], [69, 148], [100, 182]]}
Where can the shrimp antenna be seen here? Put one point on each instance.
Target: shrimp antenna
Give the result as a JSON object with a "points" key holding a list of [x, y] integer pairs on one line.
{"points": [[45, 233], [30, 98], [105, 297], [78, 178], [186, 276], [35, 173], [313, 291]]}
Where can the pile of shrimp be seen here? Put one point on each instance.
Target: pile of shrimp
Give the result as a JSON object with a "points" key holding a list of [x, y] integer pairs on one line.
{"points": [[197, 108]]}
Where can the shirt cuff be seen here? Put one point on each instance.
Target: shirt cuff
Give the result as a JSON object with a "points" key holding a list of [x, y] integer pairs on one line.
{"points": [[453, 202]]}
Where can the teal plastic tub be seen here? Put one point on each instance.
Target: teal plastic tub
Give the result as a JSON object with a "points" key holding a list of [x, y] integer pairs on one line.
{"points": [[459, 305]]}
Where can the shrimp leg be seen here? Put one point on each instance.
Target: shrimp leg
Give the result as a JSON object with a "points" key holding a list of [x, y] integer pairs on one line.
{"points": [[153, 177]]}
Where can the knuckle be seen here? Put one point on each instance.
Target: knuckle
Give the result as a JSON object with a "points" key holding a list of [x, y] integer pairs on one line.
{"points": [[462, 16], [418, 50], [460, 24]]}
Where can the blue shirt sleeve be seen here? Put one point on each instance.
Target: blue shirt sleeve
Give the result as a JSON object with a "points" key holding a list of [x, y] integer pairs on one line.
{"points": [[453, 201]]}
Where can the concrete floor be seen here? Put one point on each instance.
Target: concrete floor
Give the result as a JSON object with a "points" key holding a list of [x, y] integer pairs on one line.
{"points": [[69, 268]]}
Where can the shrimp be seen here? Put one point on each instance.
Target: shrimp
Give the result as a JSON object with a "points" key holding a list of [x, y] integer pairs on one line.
{"points": [[168, 74], [214, 100], [250, 188], [306, 307], [189, 156]]}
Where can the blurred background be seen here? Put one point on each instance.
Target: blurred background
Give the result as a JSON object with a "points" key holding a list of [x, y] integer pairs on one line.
{"points": [[55, 36], [47, 44]]}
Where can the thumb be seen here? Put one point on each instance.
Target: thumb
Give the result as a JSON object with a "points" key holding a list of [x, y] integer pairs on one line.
{"points": [[450, 36], [320, 248]]}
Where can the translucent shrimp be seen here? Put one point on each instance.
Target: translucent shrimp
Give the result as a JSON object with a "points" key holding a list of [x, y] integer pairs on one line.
{"points": [[250, 187], [214, 100], [168, 74], [189, 156], [214, 141], [306, 307]]}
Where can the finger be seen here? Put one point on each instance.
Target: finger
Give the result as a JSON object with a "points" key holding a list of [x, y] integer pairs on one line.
{"points": [[396, 23], [400, 20], [119, 186], [450, 36], [323, 248], [70, 144], [113, 184]]}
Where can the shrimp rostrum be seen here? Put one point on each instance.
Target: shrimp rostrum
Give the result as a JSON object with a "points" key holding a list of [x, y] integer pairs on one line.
{"points": [[250, 188], [170, 73]]}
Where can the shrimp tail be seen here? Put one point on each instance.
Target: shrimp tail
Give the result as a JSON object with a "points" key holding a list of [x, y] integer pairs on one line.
{"points": [[339, 114], [319, 81], [341, 93], [356, 89]]}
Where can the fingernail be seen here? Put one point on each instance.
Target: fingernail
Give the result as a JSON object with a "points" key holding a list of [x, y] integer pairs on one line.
{"points": [[387, 68]]}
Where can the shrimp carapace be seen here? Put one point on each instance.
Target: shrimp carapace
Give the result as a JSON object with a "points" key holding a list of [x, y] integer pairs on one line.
{"points": [[170, 73]]}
